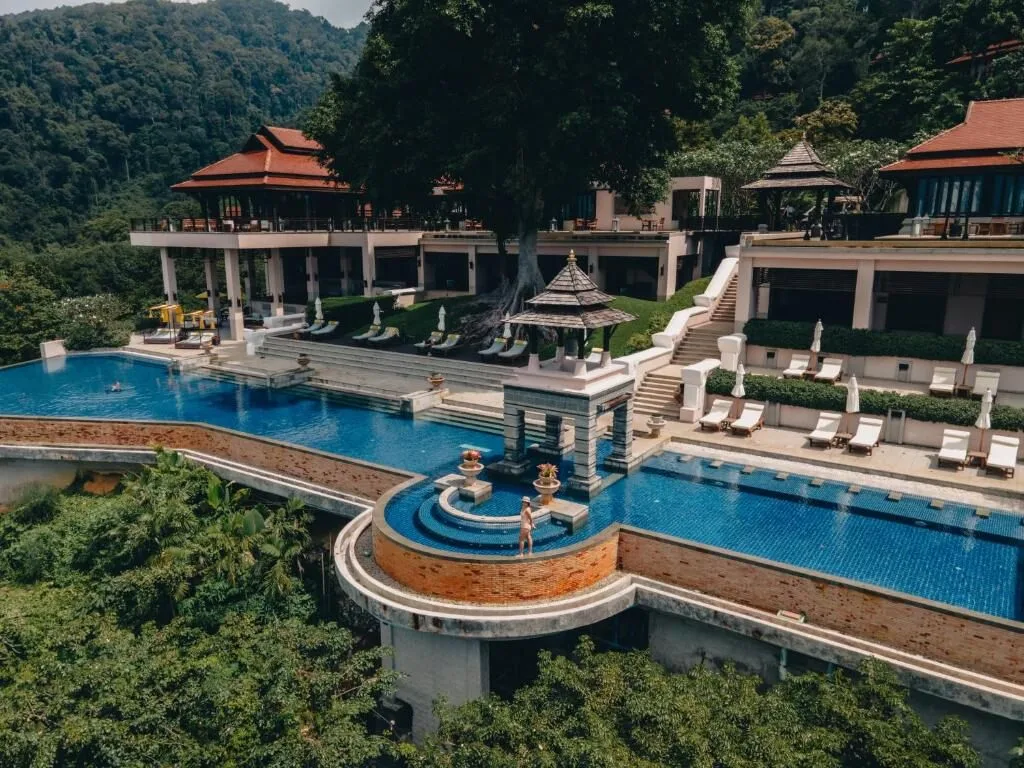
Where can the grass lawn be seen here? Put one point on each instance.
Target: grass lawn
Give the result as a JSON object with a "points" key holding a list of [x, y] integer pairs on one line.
{"points": [[417, 321], [645, 311]]}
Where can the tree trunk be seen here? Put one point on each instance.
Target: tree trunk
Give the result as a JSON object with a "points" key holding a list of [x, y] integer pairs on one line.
{"points": [[529, 281]]}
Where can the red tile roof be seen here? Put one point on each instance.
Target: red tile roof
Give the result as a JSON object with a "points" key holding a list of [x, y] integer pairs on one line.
{"points": [[990, 52], [990, 130], [273, 157]]}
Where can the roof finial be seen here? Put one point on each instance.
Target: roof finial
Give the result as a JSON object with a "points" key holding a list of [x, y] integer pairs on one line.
{"points": [[572, 256]]}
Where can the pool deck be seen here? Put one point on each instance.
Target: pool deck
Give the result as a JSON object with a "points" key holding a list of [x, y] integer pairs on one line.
{"points": [[900, 462]]}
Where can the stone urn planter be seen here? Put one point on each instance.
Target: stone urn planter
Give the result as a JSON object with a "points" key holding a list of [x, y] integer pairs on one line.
{"points": [[655, 424], [547, 484], [436, 380], [470, 467], [303, 361]]}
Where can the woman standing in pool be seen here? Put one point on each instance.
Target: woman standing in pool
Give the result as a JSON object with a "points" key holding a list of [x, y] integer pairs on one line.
{"points": [[526, 525]]}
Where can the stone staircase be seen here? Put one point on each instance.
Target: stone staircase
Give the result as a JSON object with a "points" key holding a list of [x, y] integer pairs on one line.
{"points": [[657, 395], [701, 342], [467, 374], [725, 310]]}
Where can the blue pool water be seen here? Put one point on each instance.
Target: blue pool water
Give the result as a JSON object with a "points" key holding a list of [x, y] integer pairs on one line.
{"points": [[948, 555]]}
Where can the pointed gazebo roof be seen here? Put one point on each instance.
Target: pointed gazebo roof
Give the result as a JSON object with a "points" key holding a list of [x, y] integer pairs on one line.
{"points": [[572, 300], [801, 168]]}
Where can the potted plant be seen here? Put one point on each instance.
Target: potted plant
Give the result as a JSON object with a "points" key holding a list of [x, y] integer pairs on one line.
{"points": [[303, 360], [547, 483], [436, 380], [655, 424], [470, 466]]}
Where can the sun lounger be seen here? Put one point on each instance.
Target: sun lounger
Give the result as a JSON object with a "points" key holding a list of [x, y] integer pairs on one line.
{"points": [[826, 429], [943, 381], [446, 346], [496, 346], [985, 380], [426, 344], [373, 331], [517, 350], [714, 420], [196, 340], [869, 432], [389, 335], [311, 328], [954, 448], [160, 336], [327, 330], [751, 419], [799, 365], [831, 370], [1002, 454]]}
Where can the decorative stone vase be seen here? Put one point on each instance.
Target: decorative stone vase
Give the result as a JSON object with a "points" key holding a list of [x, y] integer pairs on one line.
{"points": [[303, 361], [470, 470], [436, 380], [655, 424], [546, 487]]}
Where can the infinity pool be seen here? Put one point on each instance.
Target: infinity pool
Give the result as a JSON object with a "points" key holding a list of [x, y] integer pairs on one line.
{"points": [[948, 554]]}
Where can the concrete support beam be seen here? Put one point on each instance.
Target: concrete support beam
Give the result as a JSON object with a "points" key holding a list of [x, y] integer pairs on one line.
{"points": [[212, 289], [369, 268], [552, 445], [170, 276], [744, 293], [863, 298], [433, 665], [275, 282], [584, 475], [421, 275], [312, 275], [622, 459], [472, 266], [231, 275], [250, 276]]}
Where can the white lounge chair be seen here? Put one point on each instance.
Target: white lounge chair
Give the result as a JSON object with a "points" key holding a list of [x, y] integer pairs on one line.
{"points": [[160, 336], [388, 335], [434, 339], [517, 350], [751, 419], [798, 366], [1002, 454], [985, 380], [373, 331], [715, 418], [496, 346], [869, 432], [452, 342], [327, 330], [943, 381], [311, 328], [826, 429], [953, 452], [831, 370]]}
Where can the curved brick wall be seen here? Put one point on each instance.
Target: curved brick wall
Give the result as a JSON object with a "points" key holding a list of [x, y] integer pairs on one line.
{"points": [[361, 479], [498, 580]]}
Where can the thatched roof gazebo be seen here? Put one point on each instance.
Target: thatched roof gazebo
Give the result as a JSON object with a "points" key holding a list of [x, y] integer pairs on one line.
{"points": [[572, 302], [801, 170]]}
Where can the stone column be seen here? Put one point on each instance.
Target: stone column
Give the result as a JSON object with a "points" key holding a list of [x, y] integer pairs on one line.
{"points": [[864, 297], [170, 276], [434, 665], [744, 292], [472, 266], [212, 289], [421, 276], [250, 275], [275, 282], [515, 461], [622, 459], [552, 445], [584, 477], [369, 268], [312, 275], [231, 275]]}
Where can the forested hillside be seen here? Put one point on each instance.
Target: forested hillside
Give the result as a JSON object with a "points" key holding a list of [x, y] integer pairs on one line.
{"points": [[103, 106]]}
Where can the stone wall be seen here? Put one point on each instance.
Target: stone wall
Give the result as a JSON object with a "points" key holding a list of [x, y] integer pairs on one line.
{"points": [[499, 579], [991, 647], [350, 476]]}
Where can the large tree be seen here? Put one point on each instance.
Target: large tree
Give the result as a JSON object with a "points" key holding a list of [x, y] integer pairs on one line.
{"points": [[526, 103]]}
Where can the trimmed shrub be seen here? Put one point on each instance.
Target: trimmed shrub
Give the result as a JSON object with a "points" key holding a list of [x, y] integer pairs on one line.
{"points": [[826, 397], [859, 342]]}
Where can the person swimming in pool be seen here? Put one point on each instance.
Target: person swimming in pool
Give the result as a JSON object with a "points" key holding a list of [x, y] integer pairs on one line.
{"points": [[115, 387], [526, 525]]}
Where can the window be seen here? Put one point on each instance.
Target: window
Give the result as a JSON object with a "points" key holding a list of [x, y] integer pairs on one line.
{"points": [[621, 209]]}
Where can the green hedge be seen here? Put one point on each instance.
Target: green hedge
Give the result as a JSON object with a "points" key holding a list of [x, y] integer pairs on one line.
{"points": [[827, 397], [863, 343], [352, 312]]}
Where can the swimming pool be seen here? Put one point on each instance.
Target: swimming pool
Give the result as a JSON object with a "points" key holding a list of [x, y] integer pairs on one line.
{"points": [[948, 554]]}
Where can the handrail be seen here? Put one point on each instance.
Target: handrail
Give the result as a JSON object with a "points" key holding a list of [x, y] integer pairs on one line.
{"points": [[196, 224]]}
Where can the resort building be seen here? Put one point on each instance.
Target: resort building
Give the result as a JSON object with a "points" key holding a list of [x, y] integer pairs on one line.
{"points": [[955, 262], [277, 231]]}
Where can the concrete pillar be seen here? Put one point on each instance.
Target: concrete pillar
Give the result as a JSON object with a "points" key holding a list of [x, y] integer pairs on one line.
{"points": [[275, 282], [864, 298], [369, 268], [622, 459], [170, 276], [433, 665], [663, 276], [731, 350], [472, 266], [552, 445], [421, 275], [694, 380], [250, 276], [515, 462], [584, 472], [212, 289], [312, 275], [234, 286], [594, 267], [671, 267], [744, 292]]}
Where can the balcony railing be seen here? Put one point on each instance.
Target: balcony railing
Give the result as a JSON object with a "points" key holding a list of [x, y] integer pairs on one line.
{"points": [[170, 224]]}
